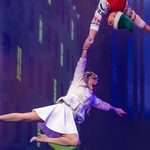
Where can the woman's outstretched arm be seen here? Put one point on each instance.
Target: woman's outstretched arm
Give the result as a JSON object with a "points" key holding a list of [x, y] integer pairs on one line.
{"points": [[98, 103]]}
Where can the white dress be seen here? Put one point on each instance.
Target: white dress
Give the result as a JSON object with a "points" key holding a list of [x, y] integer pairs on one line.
{"points": [[61, 117]]}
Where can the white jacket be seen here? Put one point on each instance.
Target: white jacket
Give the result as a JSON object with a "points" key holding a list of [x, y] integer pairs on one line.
{"points": [[79, 97]]}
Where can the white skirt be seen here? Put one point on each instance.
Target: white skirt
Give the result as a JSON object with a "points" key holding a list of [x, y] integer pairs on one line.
{"points": [[57, 118]]}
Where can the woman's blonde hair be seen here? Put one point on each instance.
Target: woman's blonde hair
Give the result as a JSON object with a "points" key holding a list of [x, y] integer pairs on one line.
{"points": [[88, 74]]}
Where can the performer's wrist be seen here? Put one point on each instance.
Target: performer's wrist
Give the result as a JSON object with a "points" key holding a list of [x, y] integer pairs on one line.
{"points": [[112, 108]]}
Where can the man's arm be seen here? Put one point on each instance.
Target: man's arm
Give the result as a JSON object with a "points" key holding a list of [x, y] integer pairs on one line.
{"points": [[137, 20], [90, 39], [101, 10]]}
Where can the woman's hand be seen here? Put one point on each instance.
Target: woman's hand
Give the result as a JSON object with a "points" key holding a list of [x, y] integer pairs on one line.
{"points": [[120, 111]]}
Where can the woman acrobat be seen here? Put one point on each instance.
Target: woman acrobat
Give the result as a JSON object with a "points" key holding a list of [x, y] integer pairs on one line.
{"points": [[61, 118]]}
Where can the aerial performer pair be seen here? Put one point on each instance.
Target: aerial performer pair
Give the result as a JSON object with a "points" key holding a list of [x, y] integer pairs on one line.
{"points": [[119, 15], [58, 121]]}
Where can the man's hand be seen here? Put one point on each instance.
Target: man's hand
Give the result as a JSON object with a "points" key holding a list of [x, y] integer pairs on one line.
{"points": [[147, 28]]}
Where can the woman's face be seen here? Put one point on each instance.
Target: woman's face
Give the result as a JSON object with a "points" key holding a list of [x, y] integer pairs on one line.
{"points": [[92, 82]]}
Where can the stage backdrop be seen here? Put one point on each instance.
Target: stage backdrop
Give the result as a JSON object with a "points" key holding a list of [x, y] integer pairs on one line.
{"points": [[40, 44]]}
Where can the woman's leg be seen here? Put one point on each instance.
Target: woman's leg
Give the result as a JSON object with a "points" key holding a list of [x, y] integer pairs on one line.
{"points": [[30, 116], [65, 139]]}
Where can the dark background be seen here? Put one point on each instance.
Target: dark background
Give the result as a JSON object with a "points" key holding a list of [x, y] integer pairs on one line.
{"points": [[40, 43]]}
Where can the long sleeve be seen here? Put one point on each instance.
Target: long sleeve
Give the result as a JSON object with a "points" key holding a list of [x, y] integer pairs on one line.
{"points": [[74, 94], [101, 10], [98, 103], [137, 20], [79, 70]]}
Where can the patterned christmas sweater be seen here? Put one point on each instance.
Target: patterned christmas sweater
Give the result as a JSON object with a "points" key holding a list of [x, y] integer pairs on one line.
{"points": [[107, 6]]}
